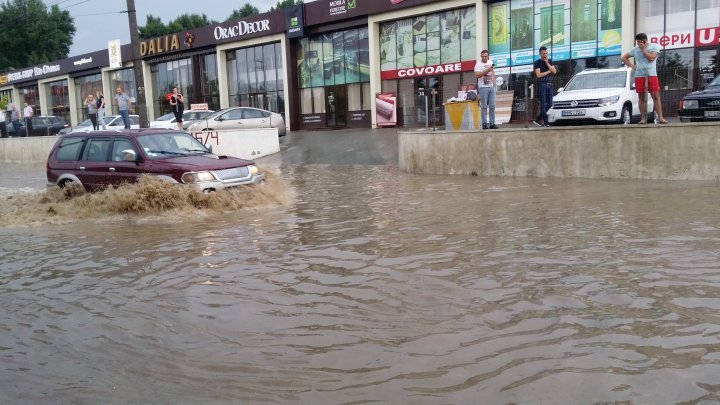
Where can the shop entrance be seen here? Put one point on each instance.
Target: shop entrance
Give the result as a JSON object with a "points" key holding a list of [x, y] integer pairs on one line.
{"points": [[336, 106], [428, 106], [258, 100]]}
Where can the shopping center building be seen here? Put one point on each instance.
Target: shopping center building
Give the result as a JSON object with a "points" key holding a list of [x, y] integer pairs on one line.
{"points": [[366, 63]]}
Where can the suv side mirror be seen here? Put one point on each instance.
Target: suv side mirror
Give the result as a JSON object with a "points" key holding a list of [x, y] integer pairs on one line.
{"points": [[129, 155], [561, 89]]}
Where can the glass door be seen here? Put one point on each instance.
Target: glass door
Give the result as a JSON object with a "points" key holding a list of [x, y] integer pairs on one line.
{"points": [[336, 106], [258, 100], [428, 105], [708, 66]]}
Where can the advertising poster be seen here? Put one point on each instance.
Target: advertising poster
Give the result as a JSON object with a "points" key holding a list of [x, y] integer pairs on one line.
{"points": [[388, 45], [499, 36], [610, 27], [521, 32], [385, 109], [450, 36], [584, 28], [404, 44], [468, 40]]}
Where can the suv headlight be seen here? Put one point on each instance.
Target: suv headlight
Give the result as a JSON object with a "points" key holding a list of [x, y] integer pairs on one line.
{"points": [[253, 170], [608, 100], [197, 177], [690, 104]]}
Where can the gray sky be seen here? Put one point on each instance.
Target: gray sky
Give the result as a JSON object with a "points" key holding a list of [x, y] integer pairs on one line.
{"points": [[99, 21]]}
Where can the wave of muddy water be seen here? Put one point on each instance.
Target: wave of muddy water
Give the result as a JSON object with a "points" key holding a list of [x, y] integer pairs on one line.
{"points": [[370, 285]]}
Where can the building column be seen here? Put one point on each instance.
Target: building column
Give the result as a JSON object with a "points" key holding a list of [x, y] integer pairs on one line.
{"points": [[222, 79]]}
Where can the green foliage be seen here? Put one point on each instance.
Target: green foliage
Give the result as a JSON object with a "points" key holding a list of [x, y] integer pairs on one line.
{"points": [[246, 11], [33, 34], [154, 27], [4, 101], [286, 3]]}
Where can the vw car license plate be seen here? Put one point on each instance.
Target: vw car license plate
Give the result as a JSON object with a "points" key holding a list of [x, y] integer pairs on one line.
{"points": [[573, 113]]}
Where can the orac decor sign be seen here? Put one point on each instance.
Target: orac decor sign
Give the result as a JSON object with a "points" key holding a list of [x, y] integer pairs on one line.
{"points": [[422, 71], [240, 29]]}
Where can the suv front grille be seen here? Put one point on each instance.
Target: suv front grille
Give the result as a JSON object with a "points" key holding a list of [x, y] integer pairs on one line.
{"points": [[710, 103], [580, 104], [232, 174]]}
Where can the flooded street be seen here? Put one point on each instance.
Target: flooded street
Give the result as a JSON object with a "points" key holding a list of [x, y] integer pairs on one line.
{"points": [[357, 283]]}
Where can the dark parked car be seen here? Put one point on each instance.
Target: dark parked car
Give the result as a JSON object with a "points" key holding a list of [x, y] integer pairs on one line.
{"points": [[703, 105], [100, 159], [43, 125]]}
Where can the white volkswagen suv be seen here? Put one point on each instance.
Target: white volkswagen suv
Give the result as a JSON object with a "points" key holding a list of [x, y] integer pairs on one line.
{"points": [[598, 96]]}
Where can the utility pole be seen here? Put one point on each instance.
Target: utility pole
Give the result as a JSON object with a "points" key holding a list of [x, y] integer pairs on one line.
{"points": [[140, 104]]}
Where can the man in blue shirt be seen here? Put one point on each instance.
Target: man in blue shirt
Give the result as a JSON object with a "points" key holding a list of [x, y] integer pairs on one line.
{"points": [[645, 55], [123, 102], [544, 72]]}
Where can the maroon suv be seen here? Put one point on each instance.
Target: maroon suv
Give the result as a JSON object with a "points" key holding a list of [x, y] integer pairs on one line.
{"points": [[108, 158]]}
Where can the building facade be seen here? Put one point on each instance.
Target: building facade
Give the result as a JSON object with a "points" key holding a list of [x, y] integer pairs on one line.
{"points": [[367, 63]]}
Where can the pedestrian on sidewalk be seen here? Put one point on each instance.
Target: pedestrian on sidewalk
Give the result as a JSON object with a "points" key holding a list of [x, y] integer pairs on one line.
{"points": [[544, 72], [485, 73], [645, 55]]}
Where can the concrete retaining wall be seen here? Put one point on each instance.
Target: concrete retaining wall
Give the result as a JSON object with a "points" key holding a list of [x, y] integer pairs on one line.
{"points": [[246, 144], [34, 149], [673, 152]]}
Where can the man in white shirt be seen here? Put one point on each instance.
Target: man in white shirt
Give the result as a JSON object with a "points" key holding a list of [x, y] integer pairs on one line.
{"points": [[28, 113], [485, 72]]}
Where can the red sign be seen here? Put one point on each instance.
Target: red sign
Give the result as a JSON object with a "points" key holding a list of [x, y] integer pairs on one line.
{"points": [[707, 36], [423, 71]]}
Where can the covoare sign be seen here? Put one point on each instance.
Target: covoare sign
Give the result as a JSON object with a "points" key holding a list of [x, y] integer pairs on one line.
{"points": [[422, 71]]}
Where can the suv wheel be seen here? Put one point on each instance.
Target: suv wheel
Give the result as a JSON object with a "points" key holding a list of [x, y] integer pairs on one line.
{"points": [[625, 115]]}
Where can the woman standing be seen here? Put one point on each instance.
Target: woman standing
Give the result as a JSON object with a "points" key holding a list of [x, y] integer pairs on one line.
{"points": [[178, 103], [92, 110], [100, 105]]}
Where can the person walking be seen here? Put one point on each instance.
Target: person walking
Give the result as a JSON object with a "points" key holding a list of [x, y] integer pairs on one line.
{"points": [[100, 104], [15, 120], [123, 102], [645, 55], [544, 72], [27, 115], [178, 105], [92, 110], [3, 127], [485, 73]]}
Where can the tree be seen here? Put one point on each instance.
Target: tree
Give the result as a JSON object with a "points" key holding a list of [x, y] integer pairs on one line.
{"points": [[154, 27], [32, 34], [286, 3], [246, 11]]}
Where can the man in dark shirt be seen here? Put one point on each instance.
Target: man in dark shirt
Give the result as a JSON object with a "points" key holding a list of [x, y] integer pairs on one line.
{"points": [[544, 72]]}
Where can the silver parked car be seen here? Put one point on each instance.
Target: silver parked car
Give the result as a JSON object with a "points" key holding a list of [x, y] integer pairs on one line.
{"points": [[111, 122], [167, 121], [240, 118]]}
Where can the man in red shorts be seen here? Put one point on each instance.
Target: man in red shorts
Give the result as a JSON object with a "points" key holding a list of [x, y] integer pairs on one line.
{"points": [[645, 55]]}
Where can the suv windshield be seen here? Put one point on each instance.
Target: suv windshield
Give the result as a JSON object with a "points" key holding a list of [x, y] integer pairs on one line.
{"points": [[165, 145], [599, 80]]}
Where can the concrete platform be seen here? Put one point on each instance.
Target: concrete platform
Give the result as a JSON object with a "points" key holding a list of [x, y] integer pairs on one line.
{"points": [[668, 152]]}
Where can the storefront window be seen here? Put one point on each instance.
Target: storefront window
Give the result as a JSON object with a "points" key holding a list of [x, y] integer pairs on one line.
{"points": [[58, 99], [708, 13], [168, 75], [30, 95], [83, 86], [125, 79], [255, 77], [209, 91], [675, 69], [650, 16]]}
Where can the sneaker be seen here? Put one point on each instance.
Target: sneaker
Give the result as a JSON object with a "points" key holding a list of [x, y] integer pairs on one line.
{"points": [[493, 126], [484, 126], [538, 123], [546, 125]]}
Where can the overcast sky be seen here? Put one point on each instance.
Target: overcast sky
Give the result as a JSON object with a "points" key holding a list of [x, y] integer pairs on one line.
{"points": [[99, 21]]}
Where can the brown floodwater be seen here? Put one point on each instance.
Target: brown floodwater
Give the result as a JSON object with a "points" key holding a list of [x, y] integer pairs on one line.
{"points": [[346, 284]]}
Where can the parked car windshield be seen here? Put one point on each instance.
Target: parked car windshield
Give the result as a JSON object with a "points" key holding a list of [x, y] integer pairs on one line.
{"points": [[171, 144], [715, 82], [600, 80], [166, 117]]}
